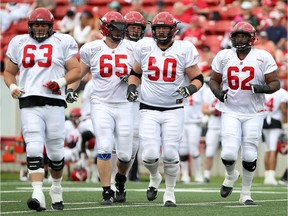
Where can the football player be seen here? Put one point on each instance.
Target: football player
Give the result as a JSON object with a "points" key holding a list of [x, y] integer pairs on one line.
{"points": [[47, 63], [190, 143], [109, 59], [162, 64], [135, 30], [212, 137], [246, 74], [276, 116]]}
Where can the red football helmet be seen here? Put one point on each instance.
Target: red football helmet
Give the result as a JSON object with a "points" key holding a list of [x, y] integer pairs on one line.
{"points": [[113, 25], [164, 19], [282, 145], [40, 16], [75, 114], [79, 175], [243, 28], [135, 18]]}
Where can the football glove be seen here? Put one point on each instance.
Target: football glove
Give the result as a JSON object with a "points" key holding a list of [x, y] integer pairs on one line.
{"points": [[132, 93], [186, 91], [71, 96], [221, 94], [259, 88], [56, 85], [124, 78]]}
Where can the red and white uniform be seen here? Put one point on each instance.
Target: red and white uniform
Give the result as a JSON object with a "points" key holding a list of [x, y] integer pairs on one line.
{"points": [[212, 138], [237, 74], [111, 113], [38, 64], [72, 137], [192, 122], [242, 113], [273, 121], [163, 72]]}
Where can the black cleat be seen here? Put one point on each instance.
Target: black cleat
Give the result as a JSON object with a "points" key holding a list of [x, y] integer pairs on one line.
{"points": [[225, 191], [120, 192], [108, 197], [249, 202], [152, 193], [57, 206], [34, 204], [169, 204], [120, 188]]}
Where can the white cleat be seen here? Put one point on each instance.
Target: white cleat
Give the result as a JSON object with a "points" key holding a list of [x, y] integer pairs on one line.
{"points": [[169, 199], [246, 201], [56, 198], [270, 182], [37, 201], [185, 179]]}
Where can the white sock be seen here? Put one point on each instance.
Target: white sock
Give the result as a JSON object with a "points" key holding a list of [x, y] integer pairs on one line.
{"points": [[56, 182], [247, 178], [37, 185]]}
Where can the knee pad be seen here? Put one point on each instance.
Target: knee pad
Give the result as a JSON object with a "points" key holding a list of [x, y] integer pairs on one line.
{"points": [[184, 157], [250, 166], [171, 168], [56, 165], [35, 163], [104, 156], [151, 162], [227, 163]]}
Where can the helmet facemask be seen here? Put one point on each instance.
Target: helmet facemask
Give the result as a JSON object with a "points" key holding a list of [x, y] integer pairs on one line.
{"points": [[161, 37], [241, 45], [135, 32], [116, 31], [40, 34]]}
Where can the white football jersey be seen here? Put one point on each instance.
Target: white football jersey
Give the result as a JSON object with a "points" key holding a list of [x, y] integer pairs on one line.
{"points": [[163, 71], [72, 134], [237, 74], [193, 110], [86, 97], [273, 102], [210, 99], [106, 66], [42, 62]]}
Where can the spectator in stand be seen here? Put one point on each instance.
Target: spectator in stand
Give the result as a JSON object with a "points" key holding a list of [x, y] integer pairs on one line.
{"points": [[206, 58], [48, 4], [77, 2], [247, 15], [194, 34], [83, 29], [263, 17], [266, 44], [115, 6], [277, 32], [69, 21], [160, 7], [11, 13], [95, 34], [137, 5]]}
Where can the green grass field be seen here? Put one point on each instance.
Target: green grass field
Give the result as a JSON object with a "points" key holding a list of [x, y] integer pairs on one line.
{"points": [[192, 199]]}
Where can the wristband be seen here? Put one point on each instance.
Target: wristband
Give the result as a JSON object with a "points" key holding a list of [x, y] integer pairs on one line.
{"points": [[12, 87], [61, 82]]}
